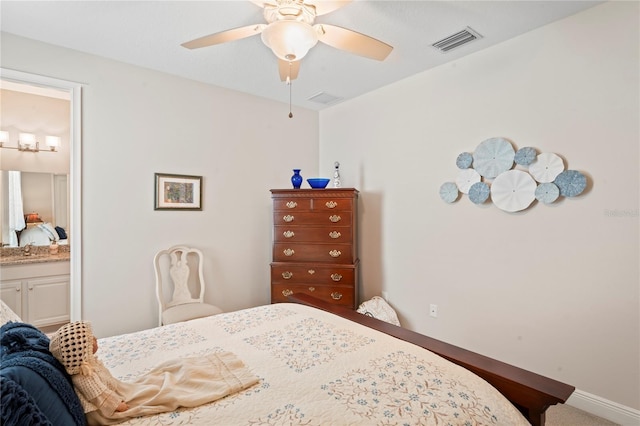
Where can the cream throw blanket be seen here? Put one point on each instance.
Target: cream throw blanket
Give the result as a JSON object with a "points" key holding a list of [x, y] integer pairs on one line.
{"points": [[183, 382]]}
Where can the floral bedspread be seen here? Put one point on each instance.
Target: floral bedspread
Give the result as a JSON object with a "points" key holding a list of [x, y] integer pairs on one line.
{"points": [[315, 369]]}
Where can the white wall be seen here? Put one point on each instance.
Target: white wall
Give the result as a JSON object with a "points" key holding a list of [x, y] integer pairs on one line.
{"points": [[553, 289], [136, 122]]}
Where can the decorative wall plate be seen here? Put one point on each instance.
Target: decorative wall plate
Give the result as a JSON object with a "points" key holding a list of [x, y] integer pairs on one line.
{"points": [[513, 190], [464, 160], [493, 156], [525, 156], [479, 192], [547, 193], [546, 167], [571, 183], [449, 192], [466, 178]]}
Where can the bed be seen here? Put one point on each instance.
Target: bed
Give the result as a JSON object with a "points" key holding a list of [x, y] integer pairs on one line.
{"points": [[321, 364]]}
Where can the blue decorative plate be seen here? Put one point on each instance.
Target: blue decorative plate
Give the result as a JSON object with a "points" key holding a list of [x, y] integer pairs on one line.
{"points": [[571, 183], [525, 156], [464, 160], [547, 193], [449, 192], [479, 192], [493, 156]]}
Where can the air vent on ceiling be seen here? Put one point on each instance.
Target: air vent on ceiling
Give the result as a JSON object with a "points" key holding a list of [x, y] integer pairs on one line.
{"points": [[324, 98], [456, 40]]}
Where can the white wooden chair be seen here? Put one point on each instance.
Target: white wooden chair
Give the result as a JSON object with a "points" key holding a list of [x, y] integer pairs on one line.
{"points": [[172, 268]]}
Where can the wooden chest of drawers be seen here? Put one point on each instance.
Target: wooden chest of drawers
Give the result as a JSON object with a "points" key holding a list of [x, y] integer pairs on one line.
{"points": [[314, 244]]}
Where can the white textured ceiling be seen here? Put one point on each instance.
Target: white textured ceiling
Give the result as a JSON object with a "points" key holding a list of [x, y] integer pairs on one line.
{"points": [[149, 34]]}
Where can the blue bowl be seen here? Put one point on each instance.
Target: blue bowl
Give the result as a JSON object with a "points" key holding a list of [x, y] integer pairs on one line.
{"points": [[318, 183]]}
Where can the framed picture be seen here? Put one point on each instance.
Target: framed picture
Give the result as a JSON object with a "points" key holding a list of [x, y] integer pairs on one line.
{"points": [[178, 192]]}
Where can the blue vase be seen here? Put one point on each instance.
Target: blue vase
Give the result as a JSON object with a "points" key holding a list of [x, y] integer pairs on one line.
{"points": [[296, 179]]}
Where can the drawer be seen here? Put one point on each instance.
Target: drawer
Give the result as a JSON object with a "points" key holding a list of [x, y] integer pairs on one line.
{"points": [[292, 204], [325, 234], [312, 218], [292, 273], [332, 204], [341, 295], [330, 253]]}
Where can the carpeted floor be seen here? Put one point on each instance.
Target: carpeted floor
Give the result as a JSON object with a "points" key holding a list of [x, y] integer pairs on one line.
{"points": [[566, 415]]}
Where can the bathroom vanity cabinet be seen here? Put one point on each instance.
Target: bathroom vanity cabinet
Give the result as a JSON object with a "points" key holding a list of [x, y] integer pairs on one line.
{"points": [[38, 292]]}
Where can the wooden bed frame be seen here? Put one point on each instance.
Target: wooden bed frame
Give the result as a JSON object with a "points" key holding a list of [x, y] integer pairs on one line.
{"points": [[531, 393]]}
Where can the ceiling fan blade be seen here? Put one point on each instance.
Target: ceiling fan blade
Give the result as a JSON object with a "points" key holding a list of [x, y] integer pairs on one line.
{"points": [[288, 69], [325, 6], [353, 42], [225, 36]]}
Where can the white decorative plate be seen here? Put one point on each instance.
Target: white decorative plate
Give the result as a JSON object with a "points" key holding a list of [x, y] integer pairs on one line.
{"points": [[466, 178], [449, 192], [546, 167], [513, 190], [493, 157]]}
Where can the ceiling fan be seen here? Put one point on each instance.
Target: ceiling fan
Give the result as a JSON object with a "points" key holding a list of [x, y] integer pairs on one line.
{"points": [[290, 33]]}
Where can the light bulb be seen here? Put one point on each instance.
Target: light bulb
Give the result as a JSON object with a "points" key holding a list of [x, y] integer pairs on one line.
{"points": [[289, 40]]}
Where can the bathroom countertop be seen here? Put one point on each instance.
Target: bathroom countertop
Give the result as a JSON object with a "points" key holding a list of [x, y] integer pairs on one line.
{"points": [[15, 256]]}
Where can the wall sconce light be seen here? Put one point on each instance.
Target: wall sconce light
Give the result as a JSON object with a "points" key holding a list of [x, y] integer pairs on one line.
{"points": [[53, 142], [27, 142]]}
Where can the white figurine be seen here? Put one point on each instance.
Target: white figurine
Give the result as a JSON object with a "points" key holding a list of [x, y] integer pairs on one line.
{"points": [[336, 175]]}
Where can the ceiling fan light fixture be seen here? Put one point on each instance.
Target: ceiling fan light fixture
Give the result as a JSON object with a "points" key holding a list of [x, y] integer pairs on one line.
{"points": [[289, 40]]}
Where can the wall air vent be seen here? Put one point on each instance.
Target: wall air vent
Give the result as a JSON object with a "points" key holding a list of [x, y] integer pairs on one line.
{"points": [[324, 98], [456, 40]]}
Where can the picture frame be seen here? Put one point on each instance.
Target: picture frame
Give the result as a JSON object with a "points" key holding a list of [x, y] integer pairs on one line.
{"points": [[177, 192]]}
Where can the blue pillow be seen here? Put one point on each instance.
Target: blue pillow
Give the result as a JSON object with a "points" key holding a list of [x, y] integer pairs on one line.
{"points": [[61, 233], [27, 367]]}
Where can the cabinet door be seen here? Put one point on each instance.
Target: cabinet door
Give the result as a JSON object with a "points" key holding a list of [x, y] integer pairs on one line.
{"points": [[11, 294], [48, 300]]}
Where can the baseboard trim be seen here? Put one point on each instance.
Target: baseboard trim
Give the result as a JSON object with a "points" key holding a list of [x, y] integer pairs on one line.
{"points": [[612, 411]]}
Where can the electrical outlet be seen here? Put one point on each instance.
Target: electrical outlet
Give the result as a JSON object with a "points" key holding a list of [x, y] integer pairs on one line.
{"points": [[433, 310]]}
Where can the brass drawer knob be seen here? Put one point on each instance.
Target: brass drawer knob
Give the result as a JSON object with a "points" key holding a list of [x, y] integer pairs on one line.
{"points": [[336, 277], [312, 289], [292, 204], [289, 252], [335, 234], [334, 218], [287, 275], [287, 292], [336, 296], [288, 218], [288, 234], [335, 253], [311, 271], [331, 204]]}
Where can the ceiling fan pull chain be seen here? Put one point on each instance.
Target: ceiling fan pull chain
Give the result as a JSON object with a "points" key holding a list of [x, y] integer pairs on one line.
{"points": [[290, 84]]}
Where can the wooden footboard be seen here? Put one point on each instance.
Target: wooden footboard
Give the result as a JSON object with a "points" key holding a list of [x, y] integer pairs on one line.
{"points": [[531, 393]]}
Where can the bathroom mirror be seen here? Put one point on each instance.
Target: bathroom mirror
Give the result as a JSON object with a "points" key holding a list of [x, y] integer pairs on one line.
{"points": [[46, 194]]}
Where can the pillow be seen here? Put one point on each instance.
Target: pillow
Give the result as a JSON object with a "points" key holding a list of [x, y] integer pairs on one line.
{"points": [[6, 314], [28, 367], [35, 236], [48, 229], [61, 233]]}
